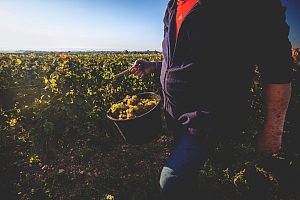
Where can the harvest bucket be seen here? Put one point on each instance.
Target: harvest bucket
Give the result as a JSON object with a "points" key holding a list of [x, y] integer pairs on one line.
{"points": [[144, 128]]}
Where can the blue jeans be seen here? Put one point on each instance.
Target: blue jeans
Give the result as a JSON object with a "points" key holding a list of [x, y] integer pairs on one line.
{"points": [[179, 176]]}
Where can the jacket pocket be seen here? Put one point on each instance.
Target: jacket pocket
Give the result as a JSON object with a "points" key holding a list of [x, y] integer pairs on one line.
{"points": [[197, 122]]}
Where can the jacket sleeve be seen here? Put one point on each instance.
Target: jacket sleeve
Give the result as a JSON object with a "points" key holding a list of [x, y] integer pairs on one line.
{"points": [[273, 48]]}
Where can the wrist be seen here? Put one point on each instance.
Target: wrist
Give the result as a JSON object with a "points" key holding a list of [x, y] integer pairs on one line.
{"points": [[269, 129], [154, 65]]}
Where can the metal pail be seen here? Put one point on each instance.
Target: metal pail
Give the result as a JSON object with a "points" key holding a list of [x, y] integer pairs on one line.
{"points": [[144, 128]]}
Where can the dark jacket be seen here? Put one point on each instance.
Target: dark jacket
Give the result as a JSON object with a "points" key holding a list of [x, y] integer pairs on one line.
{"points": [[207, 72]]}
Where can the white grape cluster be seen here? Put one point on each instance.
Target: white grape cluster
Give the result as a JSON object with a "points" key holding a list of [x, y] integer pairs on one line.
{"points": [[132, 107]]}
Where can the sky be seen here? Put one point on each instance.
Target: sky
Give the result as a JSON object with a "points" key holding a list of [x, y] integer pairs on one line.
{"points": [[133, 25]]}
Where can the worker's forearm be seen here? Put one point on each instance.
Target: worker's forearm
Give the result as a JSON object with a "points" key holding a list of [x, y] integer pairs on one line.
{"points": [[277, 98]]}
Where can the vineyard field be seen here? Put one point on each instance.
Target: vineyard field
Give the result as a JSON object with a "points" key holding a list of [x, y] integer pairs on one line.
{"points": [[56, 141]]}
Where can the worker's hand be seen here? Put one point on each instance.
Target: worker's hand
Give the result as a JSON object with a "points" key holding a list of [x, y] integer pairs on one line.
{"points": [[142, 68], [268, 141]]}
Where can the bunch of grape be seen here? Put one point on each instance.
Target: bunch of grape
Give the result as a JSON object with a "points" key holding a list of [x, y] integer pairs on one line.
{"points": [[132, 107]]}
